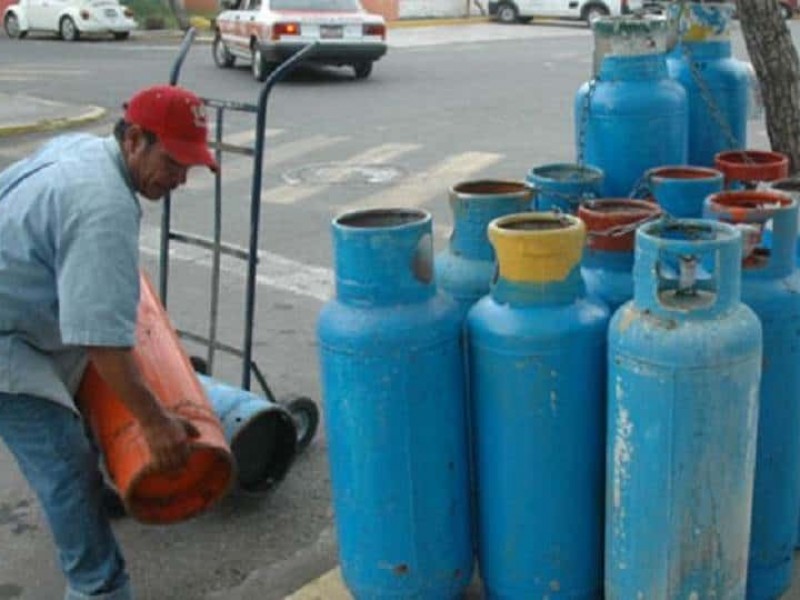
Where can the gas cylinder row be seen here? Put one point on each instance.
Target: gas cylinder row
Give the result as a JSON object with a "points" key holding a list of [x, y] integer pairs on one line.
{"points": [[595, 403], [664, 91], [481, 402]]}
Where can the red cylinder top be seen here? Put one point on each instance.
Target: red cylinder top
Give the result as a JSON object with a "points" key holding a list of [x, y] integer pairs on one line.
{"points": [[746, 206], [611, 222], [752, 165]]}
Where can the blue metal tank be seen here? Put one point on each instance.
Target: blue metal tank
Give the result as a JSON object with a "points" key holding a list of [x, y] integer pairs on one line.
{"points": [[393, 389], [563, 186], [537, 356], [771, 287], [607, 263], [465, 268], [790, 187], [684, 368], [261, 434], [681, 190], [631, 116], [718, 85]]}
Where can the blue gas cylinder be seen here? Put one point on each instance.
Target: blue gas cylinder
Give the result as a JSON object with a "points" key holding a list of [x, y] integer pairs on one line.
{"points": [[684, 368], [681, 190], [465, 268], [393, 389], [607, 263], [771, 287], [718, 85], [790, 187], [563, 186], [537, 355], [631, 116], [261, 434]]}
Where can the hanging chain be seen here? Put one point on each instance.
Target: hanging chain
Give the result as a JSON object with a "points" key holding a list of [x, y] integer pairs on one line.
{"points": [[641, 188], [708, 98], [583, 125]]}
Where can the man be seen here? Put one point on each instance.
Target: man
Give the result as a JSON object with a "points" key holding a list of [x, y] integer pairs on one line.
{"points": [[69, 277]]}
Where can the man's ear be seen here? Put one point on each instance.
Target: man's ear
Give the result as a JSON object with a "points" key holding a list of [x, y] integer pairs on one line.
{"points": [[134, 139]]}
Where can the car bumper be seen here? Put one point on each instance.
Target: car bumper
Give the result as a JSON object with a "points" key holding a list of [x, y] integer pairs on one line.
{"points": [[335, 54], [96, 26]]}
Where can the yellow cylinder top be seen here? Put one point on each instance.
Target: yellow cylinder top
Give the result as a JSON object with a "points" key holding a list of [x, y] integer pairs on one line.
{"points": [[537, 247]]}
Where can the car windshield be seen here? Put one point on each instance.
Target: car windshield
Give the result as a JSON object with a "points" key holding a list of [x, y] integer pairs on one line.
{"points": [[314, 5]]}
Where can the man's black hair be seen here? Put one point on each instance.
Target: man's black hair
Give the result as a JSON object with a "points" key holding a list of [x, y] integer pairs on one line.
{"points": [[121, 126]]}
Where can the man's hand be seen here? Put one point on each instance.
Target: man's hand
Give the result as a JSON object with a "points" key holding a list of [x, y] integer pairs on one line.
{"points": [[168, 438], [167, 434]]}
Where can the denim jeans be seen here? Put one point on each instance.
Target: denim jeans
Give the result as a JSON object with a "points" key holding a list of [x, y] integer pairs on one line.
{"points": [[61, 465]]}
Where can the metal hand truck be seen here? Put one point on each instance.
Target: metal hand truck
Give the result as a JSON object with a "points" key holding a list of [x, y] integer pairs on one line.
{"points": [[303, 410]]}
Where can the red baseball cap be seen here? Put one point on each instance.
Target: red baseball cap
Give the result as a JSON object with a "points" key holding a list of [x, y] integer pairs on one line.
{"points": [[178, 118]]}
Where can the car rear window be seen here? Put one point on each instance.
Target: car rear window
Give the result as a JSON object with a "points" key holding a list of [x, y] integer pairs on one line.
{"points": [[314, 5]]}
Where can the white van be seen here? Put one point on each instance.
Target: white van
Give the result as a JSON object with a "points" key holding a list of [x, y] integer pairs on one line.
{"points": [[522, 11]]}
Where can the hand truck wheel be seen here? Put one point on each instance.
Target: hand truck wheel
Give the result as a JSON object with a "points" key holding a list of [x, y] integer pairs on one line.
{"points": [[199, 365], [305, 413]]}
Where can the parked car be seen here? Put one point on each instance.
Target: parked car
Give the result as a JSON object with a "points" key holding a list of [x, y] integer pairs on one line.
{"points": [[69, 19], [522, 11], [267, 32]]}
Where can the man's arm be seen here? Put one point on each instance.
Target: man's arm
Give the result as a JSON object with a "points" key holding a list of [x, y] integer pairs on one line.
{"points": [[167, 435]]}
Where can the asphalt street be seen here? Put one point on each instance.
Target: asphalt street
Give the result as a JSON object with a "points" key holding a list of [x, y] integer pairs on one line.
{"points": [[447, 104]]}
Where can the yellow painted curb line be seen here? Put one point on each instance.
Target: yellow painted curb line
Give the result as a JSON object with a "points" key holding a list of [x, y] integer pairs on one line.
{"points": [[93, 113], [433, 22], [327, 587]]}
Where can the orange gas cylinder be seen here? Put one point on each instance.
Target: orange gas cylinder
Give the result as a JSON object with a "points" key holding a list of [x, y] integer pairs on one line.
{"points": [[151, 496]]}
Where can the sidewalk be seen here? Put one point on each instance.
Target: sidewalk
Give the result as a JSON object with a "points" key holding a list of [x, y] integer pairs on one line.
{"points": [[20, 113]]}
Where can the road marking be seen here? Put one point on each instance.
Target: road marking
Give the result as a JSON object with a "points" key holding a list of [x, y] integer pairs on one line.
{"points": [[239, 168], [427, 185], [274, 270], [327, 587], [290, 194]]}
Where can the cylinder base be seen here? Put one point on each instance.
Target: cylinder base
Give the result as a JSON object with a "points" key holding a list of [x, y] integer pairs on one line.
{"points": [[769, 583]]}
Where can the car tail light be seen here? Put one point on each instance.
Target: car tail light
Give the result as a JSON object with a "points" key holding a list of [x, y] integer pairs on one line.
{"points": [[624, 5], [85, 14], [375, 29], [280, 29], [128, 13]]}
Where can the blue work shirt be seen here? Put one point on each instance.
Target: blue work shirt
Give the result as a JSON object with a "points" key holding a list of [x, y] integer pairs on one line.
{"points": [[69, 256]]}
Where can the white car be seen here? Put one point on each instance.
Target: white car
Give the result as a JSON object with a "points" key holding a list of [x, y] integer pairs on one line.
{"points": [[267, 32], [69, 18], [522, 11]]}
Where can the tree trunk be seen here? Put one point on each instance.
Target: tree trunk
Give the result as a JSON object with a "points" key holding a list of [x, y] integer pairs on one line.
{"points": [[775, 61]]}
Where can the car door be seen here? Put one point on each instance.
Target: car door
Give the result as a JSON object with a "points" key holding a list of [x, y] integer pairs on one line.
{"points": [[52, 10], [558, 8], [249, 24], [36, 11]]}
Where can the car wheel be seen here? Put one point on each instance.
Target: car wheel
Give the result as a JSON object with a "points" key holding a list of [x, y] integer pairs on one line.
{"points": [[786, 11], [122, 35], [507, 13], [68, 31], [362, 69], [222, 56], [11, 25], [260, 67], [594, 12]]}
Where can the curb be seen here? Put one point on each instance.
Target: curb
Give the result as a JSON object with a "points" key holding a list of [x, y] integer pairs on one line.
{"points": [[92, 113], [433, 22], [204, 33]]}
